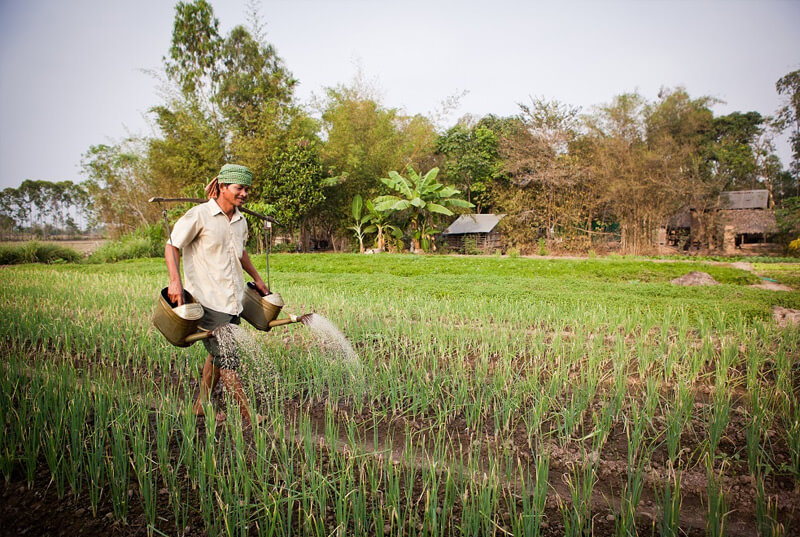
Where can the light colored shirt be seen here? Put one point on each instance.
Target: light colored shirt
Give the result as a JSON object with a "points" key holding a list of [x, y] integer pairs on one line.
{"points": [[212, 249]]}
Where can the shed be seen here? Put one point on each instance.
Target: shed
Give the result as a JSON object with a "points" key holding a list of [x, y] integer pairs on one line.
{"points": [[480, 228]]}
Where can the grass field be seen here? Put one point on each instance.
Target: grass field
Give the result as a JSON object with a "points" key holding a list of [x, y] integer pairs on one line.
{"points": [[495, 396]]}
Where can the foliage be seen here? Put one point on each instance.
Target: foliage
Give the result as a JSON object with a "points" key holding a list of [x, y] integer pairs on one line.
{"points": [[292, 183], [189, 151], [37, 252], [363, 141], [788, 117], [542, 246], [422, 197], [547, 189], [472, 160], [384, 226], [787, 219], [145, 241], [360, 227], [120, 186], [47, 206]]}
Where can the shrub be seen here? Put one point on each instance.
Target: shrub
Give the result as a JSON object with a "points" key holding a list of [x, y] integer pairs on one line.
{"points": [[146, 241], [513, 252], [471, 246], [542, 246], [284, 248], [37, 252]]}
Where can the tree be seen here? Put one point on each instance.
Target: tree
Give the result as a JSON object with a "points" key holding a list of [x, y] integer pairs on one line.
{"points": [[546, 187], [788, 117], [630, 170], [120, 187], [189, 152], [422, 196], [363, 141], [292, 184], [472, 158], [194, 55]]}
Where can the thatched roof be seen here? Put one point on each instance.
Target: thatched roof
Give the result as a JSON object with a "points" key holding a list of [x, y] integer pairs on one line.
{"points": [[473, 223], [681, 219], [744, 199], [748, 220]]}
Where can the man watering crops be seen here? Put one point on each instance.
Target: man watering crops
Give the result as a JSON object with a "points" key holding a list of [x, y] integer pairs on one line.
{"points": [[212, 236]]}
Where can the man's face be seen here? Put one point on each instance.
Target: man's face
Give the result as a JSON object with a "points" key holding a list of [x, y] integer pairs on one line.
{"points": [[234, 194]]}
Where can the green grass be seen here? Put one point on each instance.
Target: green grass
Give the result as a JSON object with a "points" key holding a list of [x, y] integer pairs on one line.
{"points": [[489, 370]]}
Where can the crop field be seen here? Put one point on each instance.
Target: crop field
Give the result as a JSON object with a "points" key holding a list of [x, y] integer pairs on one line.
{"points": [[492, 396]]}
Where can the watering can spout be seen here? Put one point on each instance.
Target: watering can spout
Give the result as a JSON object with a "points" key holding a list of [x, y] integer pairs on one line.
{"points": [[291, 319], [198, 336]]}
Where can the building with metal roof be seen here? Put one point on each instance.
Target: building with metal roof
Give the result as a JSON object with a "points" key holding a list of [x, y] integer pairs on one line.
{"points": [[474, 231]]}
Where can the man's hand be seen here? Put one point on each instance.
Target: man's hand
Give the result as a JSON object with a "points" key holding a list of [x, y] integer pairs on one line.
{"points": [[175, 293], [261, 287]]}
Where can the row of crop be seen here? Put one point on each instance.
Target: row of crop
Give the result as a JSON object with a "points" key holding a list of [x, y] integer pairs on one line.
{"points": [[498, 378], [118, 439]]}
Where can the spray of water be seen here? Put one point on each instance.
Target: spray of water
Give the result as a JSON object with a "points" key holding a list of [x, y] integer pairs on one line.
{"points": [[333, 343], [256, 366]]}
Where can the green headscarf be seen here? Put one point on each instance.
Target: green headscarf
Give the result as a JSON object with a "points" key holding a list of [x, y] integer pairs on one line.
{"points": [[235, 174]]}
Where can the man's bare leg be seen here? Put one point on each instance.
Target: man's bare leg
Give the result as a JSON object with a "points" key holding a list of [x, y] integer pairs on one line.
{"points": [[232, 384], [208, 380]]}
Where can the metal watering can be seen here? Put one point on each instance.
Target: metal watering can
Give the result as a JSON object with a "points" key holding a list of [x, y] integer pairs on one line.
{"points": [[260, 311]]}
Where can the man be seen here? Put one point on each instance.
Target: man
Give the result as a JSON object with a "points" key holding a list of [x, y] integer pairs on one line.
{"points": [[212, 236]]}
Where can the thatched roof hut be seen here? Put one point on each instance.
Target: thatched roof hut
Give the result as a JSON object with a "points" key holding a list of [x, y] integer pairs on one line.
{"points": [[748, 221]]}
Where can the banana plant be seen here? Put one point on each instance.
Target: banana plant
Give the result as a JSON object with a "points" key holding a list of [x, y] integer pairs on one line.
{"points": [[383, 225], [361, 229], [423, 197]]}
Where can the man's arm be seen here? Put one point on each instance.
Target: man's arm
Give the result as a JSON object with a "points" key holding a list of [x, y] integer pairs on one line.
{"points": [[173, 258], [248, 267]]}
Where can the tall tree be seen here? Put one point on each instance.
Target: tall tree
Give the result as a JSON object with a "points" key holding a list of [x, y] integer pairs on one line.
{"points": [[120, 187], [546, 191], [471, 159], [363, 141], [293, 186], [629, 171], [788, 117]]}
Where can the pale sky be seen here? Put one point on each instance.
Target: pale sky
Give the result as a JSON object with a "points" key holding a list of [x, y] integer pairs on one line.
{"points": [[74, 73]]}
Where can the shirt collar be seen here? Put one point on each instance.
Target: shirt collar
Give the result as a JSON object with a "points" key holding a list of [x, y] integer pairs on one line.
{"points": [[215, 210]]}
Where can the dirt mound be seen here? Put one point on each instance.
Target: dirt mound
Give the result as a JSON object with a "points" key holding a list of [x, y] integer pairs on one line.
{"points": [[695, 278], [785, 316]]}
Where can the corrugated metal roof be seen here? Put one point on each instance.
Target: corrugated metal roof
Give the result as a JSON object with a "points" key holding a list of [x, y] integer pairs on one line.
{"points": [[473, 223], [744, 199]]}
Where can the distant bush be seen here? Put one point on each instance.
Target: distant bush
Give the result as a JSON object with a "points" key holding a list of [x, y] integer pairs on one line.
{"points": [[37, 252], [146, 241], [471, 246], [284, 248], [513, 252], [542, 246]]}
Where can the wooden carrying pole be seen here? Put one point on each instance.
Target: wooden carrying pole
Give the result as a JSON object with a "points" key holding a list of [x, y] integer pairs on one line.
{"points": [[198, 200]]}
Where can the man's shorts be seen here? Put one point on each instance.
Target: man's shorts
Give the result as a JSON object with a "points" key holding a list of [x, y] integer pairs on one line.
{"points": [[222, 358]]}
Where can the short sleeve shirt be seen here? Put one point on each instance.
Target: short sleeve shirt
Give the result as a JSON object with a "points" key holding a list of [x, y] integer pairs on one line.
{"points": [[212, 249]]}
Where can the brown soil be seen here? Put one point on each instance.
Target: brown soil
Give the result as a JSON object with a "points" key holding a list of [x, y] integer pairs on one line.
{"points": [[786, 316], [772, 286], [695, 278]]}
